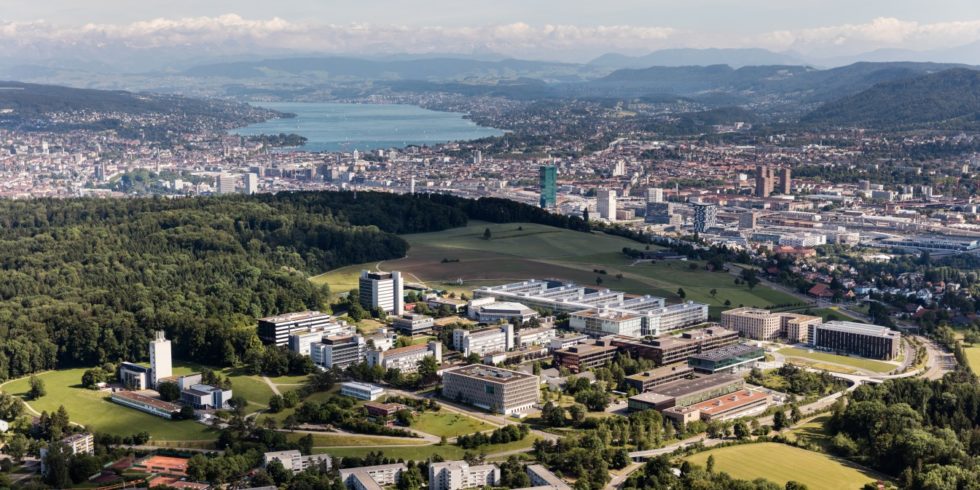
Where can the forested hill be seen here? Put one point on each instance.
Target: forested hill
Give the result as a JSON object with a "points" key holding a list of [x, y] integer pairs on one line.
{"points": [[949, 99], [85, 281]]}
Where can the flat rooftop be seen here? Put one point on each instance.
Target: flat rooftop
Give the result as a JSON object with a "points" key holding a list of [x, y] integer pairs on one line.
{"points": [[153, 402], [730, 401], [859, 328], [607, 314], [490, 373], [586, 349], [684, 387], [726, 352], [662, 371], [357, 385], [293, 317]]}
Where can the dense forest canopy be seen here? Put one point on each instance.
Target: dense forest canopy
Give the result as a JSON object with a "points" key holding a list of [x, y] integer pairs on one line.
{"points": [[86, 281]]}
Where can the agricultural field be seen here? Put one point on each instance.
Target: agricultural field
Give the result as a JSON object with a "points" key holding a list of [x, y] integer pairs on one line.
{"points": [[854, 362], [460, 260], [972, 356], [780, 463]]}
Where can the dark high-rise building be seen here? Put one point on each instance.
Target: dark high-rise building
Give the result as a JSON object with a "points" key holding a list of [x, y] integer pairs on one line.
{"points": [[704, 216], [548, 185], [765, 181], [785, 181]]}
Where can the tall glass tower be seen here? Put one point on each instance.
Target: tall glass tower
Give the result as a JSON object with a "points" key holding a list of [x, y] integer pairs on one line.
{"points": [[547, 180]]}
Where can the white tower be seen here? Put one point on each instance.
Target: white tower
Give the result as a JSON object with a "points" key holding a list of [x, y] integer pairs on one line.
{"points": [[606, 204], [160, 363]]}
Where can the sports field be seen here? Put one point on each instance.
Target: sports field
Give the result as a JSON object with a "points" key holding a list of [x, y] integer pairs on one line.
{"points": [[855, 362], [780, 463], [973, 357], [518, 251]]}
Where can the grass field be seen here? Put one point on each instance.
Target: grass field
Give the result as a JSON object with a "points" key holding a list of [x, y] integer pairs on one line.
{"points": [[973, 357], [856, 362], [519, 251], [812, 432], [93, 409], [421, 453], [449, 424], [781, 463]]}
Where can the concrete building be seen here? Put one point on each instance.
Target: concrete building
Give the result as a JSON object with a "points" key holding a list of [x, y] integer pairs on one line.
{"points": [[251, 183], [666, 349], [293, 461], [759, 324], [785, 181], [748, 220], [687, 392], [160, 361], [655, 194], [225, 183], [372, 477], [872, 341], [542, 478], [604, 322], [457, 475], [531, 337], [205, 397], [361, 391], [674, 317], [661, 213], [383, 290], [732, 405], [491, 388], [143, 403], [413, 324], [339, 351], [490, 340], [726, 359], [134, 377], [765, 181], [277, 329], [405, 359], [301, 342], [606, 204], [502, 311], [582, 357], [644, 381], [82, 443]]}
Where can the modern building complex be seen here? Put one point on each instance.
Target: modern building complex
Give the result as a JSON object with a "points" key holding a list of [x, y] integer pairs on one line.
{"points": [[490, 340], [277, 329], [405, 359], [646, 380], [531, 337], [726, 359], [861, 339], [383, 290], [205, 397], [603, 322], [144, 403], [496, 311], [491, 388], [687, 392], [361, 391], [134, 376], [548, 186], [295, 462], [339, 351], [457, 475], [667, 349], [372, 477], [732, 405], [569, 298], [582, 357], [759, 324], [661, 213], [413, 324]]}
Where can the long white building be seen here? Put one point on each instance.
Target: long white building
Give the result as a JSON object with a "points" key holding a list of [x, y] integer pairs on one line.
{"points": [[485, 341], [405, 359], [457, 475]]}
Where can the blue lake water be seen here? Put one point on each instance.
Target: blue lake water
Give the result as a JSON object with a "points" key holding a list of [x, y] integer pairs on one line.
{"points": [[362, 127]]}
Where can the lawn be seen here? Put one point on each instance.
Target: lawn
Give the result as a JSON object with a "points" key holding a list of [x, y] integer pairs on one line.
{"points": [[812, 432], [973, 357], [331, 440], [421, 453], [93, 409], [449, 424], [856, 362], [518, 251], [781, 463]]}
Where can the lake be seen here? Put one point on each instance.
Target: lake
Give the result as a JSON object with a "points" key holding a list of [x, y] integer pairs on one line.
{"points": [[363, 127]]}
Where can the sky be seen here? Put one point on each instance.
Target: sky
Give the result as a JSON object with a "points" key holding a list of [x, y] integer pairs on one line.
{"points": [[539, 29]]}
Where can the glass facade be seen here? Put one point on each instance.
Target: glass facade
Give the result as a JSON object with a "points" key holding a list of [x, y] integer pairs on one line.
{"points": [[547, 179]]}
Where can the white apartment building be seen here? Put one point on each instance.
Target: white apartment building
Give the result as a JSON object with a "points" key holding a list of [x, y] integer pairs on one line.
{"points": [[606, 204], [457, 475], [383, 290], [372, 477], [405, 359], [530, 337], [295, 462], [485, 341], [673, 317]]}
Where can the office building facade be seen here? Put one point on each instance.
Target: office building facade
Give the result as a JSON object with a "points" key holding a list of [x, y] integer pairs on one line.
{"points": [[705, 216], [491, 388], [277, 329], [548, 186], [383, 290], [872, 341], [606, 204]]}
